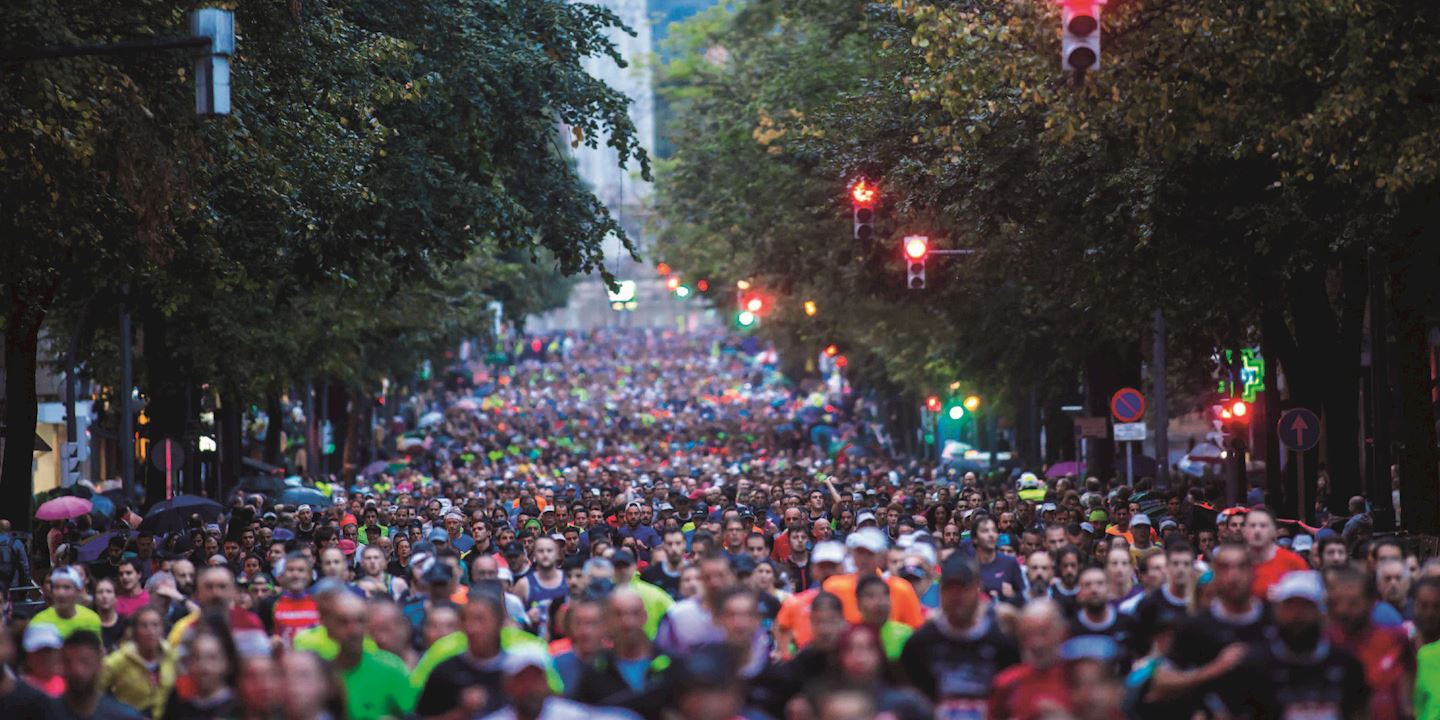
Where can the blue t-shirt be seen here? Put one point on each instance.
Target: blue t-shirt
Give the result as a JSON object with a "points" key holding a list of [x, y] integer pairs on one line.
{"points": [[633, 671], [1003, 569]]}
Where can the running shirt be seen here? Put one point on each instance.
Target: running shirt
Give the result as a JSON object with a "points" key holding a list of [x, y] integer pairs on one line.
{"points": [[1326, 684], [539, 593], [1115, 625], [955, 668], [294, 613], [1201, 638], [1386, 656]]}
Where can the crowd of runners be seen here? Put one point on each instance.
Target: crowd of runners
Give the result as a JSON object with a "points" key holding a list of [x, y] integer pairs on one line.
{"points": [[643, 524]]}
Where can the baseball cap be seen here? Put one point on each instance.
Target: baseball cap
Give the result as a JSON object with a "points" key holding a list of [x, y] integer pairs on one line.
{"points": [[868, 539], [743, 564], [438, 572], [959, 569], [828, 551], [622, 557], [304, 508], [1303, 543], [1097, 516], [1302, 584], [864, 517], [1141, 519], [1049, 507], [1087, 527], [67, 574], [1168, 524], [514, 549], [347, 546], [524, 656], [39, 636], [438, 535]]}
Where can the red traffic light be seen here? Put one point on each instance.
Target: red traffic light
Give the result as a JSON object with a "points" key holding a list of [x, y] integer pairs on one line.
{"points": [[754, 304], [672, 282], [932, 403], [662, 269], [863, 193], [703, 286], [840, 361], [1239, 409], [916, 247]]}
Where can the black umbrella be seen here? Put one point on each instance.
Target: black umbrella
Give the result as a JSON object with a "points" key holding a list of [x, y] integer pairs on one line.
{"points": [[268, 485], [174, 514]]}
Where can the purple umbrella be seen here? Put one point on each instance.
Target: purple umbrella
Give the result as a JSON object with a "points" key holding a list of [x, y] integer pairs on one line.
{"points": [[1060, 469], [94, 547]]}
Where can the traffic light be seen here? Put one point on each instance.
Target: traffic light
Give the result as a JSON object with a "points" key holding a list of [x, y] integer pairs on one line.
{"points": [[662, 268], [702, 286], [1234, 422], [1080, 35], [754, 304], [682, 291], [932, 403], [811, 308], [972, 403], [955, 412], [672, 283], [862, 200], [831, 350], [916, 247], [746, 319], [70, 463]]}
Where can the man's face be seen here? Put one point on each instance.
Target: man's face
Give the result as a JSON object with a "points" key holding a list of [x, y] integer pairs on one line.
{"points": [[184, 572], [1393, 582], [986, 535], [874, 604], [734, 534], [1054, 538], [1259, 531], [1386, 553], [373, 562], [216, 590], [1039, 569], [950, 536], [64, 594], [1172, 506], [348, 629], [1121, 516], [1348, 605], [145, 545], [82, 668], [481, 626], [739, 619], [716, 575], [1070, 569], [1040, 639], [1180, 569], [546, 553], [129, 578], [1153, 570], [1297, 621], [627, 617], [1094, 591], [675, 546], [332, 564], [632, 515], [794, 518], [755, 548], [1205, 542], [1233, 575], [305, 516]]}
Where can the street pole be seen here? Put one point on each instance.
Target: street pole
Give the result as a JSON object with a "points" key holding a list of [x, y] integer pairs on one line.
{"points": [[127, 417], [1302, 513], [1378, 486], [1159, 403], [1130, 464]]}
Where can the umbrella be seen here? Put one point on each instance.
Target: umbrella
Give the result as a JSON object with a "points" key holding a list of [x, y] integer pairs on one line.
{"points": [[374, 468], [174, 514], [430, 419], [1060, 469], [263, 484], [305, 496], [63, 508], [94, 547], [102, 505], [467, 404]]}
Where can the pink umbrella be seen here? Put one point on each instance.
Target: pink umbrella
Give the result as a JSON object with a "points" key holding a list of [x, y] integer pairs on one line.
{"points": [[63, 508]]}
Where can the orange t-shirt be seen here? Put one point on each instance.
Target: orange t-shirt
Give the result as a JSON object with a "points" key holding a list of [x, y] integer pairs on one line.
{"points": [[794, 616], [1269, 572], [904, 605]]}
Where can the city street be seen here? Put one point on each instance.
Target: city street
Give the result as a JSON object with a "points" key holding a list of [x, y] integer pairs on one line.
{"points": [[688, 360]]}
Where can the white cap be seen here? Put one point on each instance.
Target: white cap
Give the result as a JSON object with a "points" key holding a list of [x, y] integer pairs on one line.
{"points": [[1141, 519], [524, 656], [39, 636], [1303, 543], [868, 539], [1304, 584], [865, 517], [68, 574], [504, 575], [304, 508], [828, 551]]}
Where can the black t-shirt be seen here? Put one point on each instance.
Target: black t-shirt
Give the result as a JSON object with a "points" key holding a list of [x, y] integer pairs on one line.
{"points": [[112, 635], [1147, 615], [449, 680], [1328, 683], [107, 709], [1200, 640], [1117, 626], [656, 575], [24, 702], [956, 669]]}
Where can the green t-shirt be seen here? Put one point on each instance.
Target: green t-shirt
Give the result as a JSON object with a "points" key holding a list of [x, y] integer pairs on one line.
{"points": [[1427, 682], [379, 687], [317, 640], [84, 619], [893, 635], [657, 602], [455, 643]]}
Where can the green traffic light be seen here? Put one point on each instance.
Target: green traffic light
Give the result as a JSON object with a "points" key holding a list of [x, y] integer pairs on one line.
{"points": [[745, 318], [956, 412]]}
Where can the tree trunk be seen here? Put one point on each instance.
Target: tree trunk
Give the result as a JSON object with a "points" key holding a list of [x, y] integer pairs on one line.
{"points": [[229, 433], [22, 344], [276, 427]]}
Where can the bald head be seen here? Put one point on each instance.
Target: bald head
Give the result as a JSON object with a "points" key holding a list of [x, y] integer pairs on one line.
{"points": [[1041, 629]]}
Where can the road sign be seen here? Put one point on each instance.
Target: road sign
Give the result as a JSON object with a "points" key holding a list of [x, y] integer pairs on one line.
{"points": [[1299, 429], [1092, 427], [1129, 432], [1127, 405]]}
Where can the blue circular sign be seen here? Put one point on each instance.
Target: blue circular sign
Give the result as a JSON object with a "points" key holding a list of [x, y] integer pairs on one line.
{"points": [[1299, 429]]}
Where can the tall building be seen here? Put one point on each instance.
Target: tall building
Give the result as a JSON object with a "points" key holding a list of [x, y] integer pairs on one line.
{"points": [[628, 197]]}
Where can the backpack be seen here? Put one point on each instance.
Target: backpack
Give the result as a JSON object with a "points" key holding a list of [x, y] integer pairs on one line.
{"points": [[7, 560]]}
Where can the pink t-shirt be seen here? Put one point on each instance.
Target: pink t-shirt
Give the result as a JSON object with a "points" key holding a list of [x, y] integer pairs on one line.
{"points": [[127, 606]]}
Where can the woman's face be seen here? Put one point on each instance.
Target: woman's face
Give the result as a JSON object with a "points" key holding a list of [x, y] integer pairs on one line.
{"points": [[104, 595], [860, 659], [252, 566], [147, 629], [690, 582], [207, 663], [763, 580]]}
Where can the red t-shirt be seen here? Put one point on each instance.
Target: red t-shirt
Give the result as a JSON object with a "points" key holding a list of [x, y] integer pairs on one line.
{"points": [[1388, 659], [293, 614], [1269, 572], [1023, 692]]}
